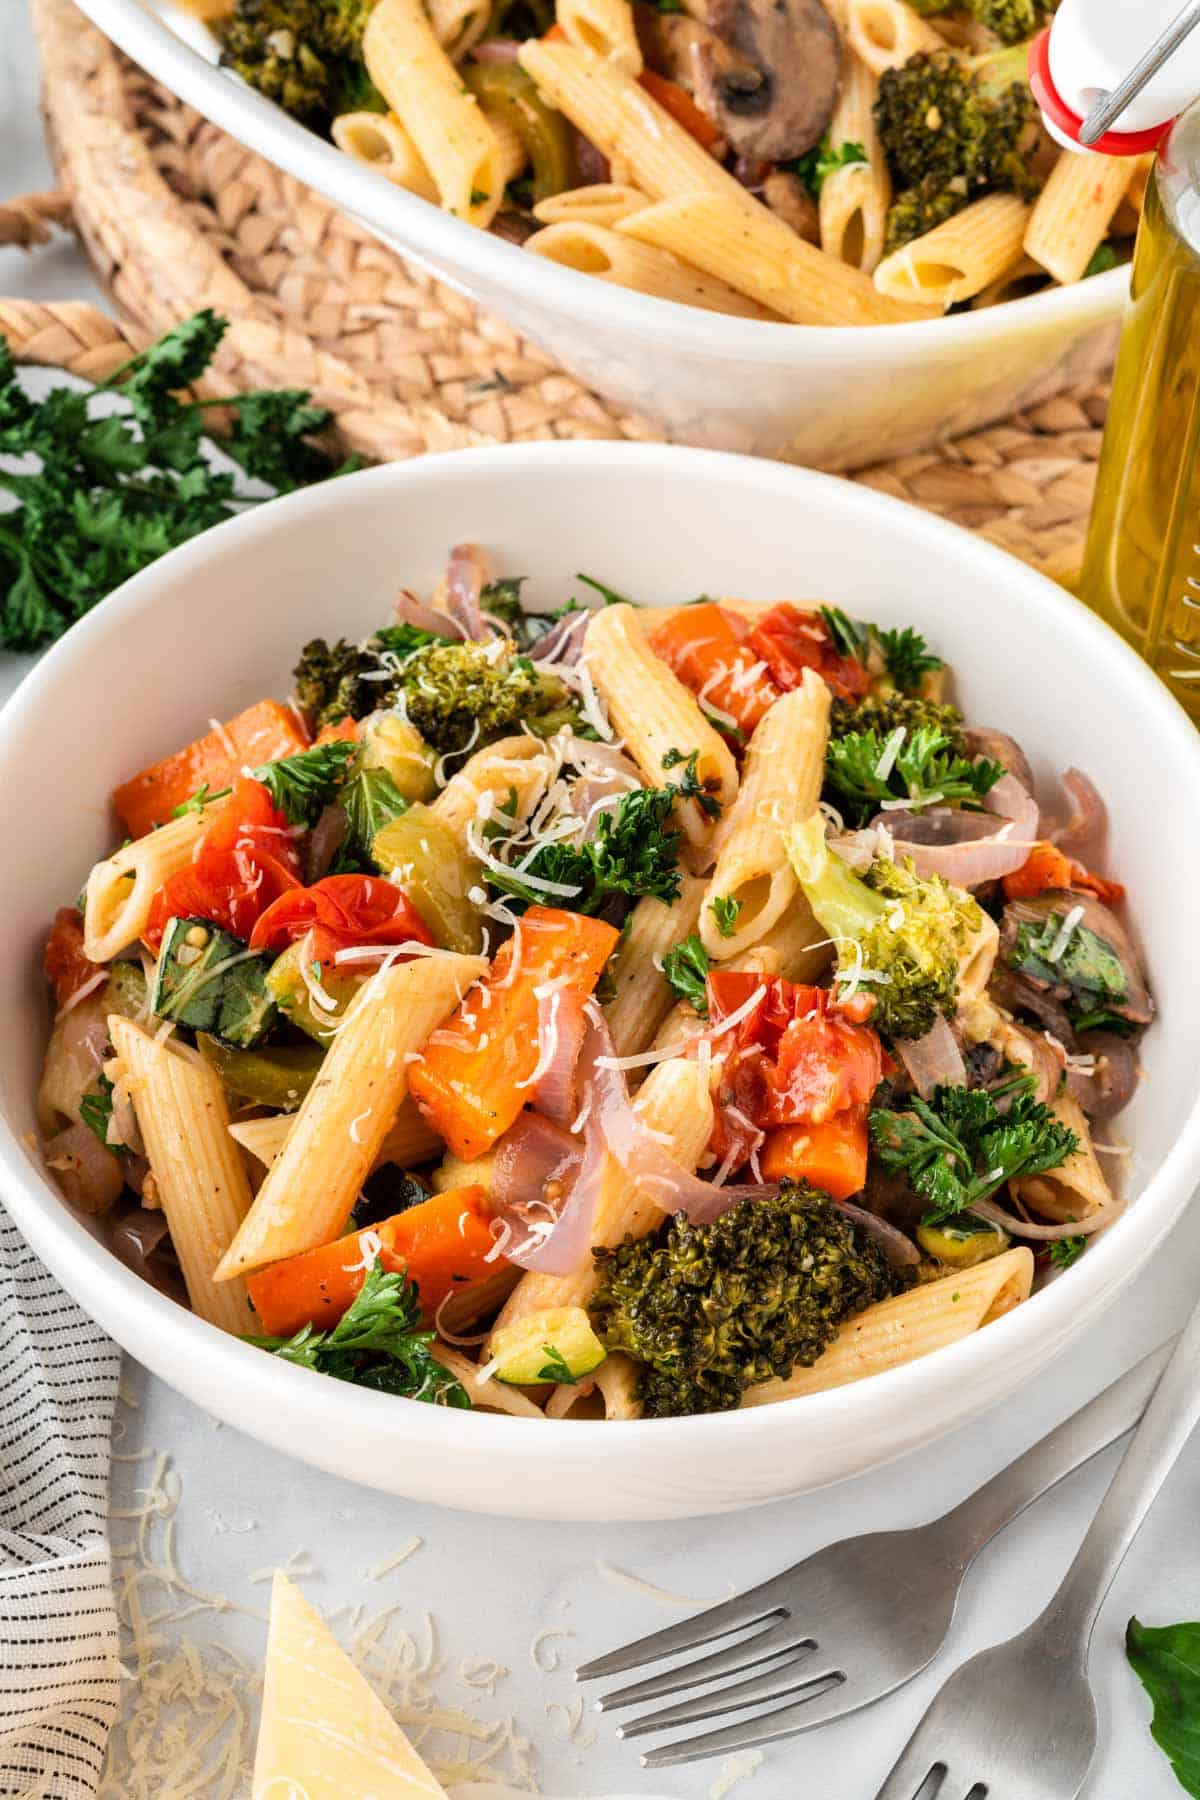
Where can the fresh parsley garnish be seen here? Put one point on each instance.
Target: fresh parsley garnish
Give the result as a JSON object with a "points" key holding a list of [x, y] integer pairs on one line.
{"points": [[1079, 960], [1065, 1251], [111, 494], [633, 853], [689, 785], [1104, 258], [920, 766], [401, 640], [725, 910], [907, 656], [959, 1147], [96, 1109], [686, 970], [377, 1343], [556, 1367], [370, 800], [816, 165], [302, 786]]}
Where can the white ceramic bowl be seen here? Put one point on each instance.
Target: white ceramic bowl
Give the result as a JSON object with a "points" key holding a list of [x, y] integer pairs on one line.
{"points": [[216, 625], [831, 397]]}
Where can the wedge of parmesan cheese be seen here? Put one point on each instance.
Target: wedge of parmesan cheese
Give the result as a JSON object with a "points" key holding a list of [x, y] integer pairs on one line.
{"points": [[325, 1734]]}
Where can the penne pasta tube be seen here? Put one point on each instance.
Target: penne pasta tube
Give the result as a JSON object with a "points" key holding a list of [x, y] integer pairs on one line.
{"points": [[659, 720], [957, 260], [605, 27], [347, 1113], [674, 1101], [409, 1141], [202, 1187], [1077, 1188], [458, 25], [120, 890], [759, 255], [885, 33], [515, 762], [800, 947], [781, 785], [596, 250], [976, 961], [1072, 214], [445, 122], [853, 203], [910, 1326], [380, 142], [603, 203], [641, 997]]}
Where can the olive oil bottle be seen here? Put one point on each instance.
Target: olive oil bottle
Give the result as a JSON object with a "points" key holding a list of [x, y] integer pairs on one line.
{"points": [[1141, 569]]}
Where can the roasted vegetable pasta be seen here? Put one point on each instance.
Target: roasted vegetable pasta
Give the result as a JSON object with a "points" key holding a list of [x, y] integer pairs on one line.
{"points": [[610, 1010], [816, 161]]}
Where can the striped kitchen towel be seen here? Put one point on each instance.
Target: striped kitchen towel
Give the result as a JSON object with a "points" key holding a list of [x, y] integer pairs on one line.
{"points": [[58, 1628]]}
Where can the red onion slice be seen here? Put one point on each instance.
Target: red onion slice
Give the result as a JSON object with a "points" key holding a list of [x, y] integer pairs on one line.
{"points": [[563, 643], [532, 1153], [561, 1027], [1089, 820], [467, 575], [1099, 1220], [408, 610], [88, 1173], [934, 1060], [1011, 832], [496, 50]]}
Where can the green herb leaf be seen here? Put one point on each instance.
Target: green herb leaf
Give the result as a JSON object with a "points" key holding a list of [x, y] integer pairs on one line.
{"points": [[816, 166], [920, 766], [725, 910], [370, 801], [959, 1148], [633, 853], [689, 786], [556, 1367], [377, 1343], [609, 595], [1065, 1251], [1104, 258], [908, 657], [1166, 1659], [96, 1109], [302, 786], [851, 638], [686, 970]]}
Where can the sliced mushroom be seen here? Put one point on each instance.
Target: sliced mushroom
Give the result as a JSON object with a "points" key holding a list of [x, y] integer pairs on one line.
{"points": [[769, 76], [790, 200], [1109, 1086], [1090, 915]]}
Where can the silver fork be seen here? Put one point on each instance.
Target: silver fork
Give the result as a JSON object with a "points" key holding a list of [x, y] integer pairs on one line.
{"points": [[857, 1619], [1018, 1722]]}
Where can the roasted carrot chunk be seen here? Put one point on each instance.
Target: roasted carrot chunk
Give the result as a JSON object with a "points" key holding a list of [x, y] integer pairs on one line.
{"points": [[477, 1070], [263, 733], [444, 1244], [707, 648], [833, 1155]]}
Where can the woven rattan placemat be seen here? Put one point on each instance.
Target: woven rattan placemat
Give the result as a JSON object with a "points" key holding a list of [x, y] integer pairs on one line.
{"points": [[175, 215]]}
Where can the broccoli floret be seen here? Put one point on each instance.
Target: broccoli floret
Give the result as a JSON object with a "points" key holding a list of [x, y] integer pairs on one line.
{"points": [[1012, 21], [906, 933], [329, 681], [886, 713], [709, 1310], [953, 127], [305, 55], [456, 693]]}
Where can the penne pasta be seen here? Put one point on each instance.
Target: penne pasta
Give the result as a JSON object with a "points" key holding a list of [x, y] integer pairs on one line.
{"points": [[977, 959], [604, 27], [899, 1331], [853, 202], [120, 889], [202, 1186], [381, 143], [348, 1112], [641, 996], [1072, 214], [659, 720], [515, 763], [674, 1102], [458, 25], [885, 33], [780, 786], [1077, 1188], [761, 256], [419, 82], [409, 1141], [603, 203], [595, 250], [957, 260]]}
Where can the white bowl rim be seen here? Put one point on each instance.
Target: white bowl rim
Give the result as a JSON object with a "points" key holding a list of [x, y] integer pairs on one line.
{"points": [[425, 231], [62, 1240]]}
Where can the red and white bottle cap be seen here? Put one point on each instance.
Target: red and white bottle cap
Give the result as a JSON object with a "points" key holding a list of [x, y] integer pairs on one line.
{"points": [[1088, 51]]}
